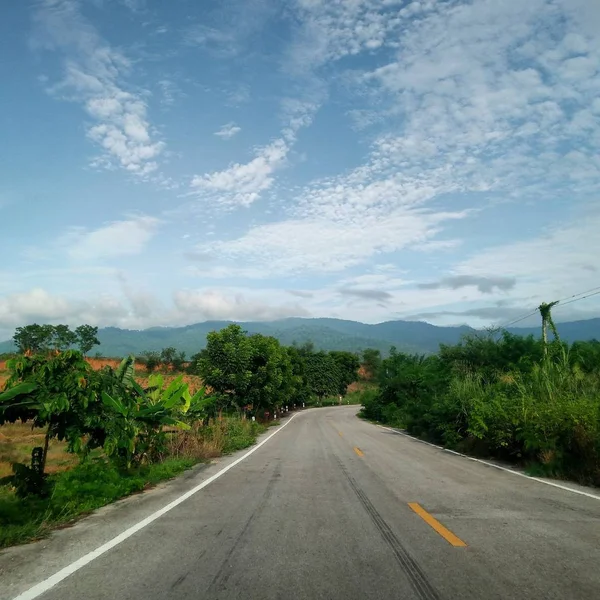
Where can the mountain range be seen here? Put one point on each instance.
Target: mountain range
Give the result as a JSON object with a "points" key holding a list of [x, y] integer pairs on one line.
{"points": [[326, 334]]}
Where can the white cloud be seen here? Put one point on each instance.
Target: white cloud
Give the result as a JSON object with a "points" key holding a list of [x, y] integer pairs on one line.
{"points": [[120, 238], [93, 74], [135, 309], [561, 262], [219, 305], [242, 184], [228, 131], [342, 222], [38, 305], [479, 97]]}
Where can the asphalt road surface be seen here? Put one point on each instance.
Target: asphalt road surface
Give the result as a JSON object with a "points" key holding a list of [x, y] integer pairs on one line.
{"points": [[329, 507]]}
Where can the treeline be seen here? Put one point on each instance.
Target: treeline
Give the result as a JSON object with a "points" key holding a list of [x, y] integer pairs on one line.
{"points": [[168, 358], [40, 339], [257, 373], [108, 409], [509, 397]]}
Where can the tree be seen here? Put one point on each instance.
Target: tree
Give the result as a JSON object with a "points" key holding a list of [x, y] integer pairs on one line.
{"points": [[59, 393], [178, 362], [348, 365], [87, 338], [33, 338], [62, 337], [272, 381], [301, 392], [193, 365], [226, 364], [322, 375], [151, 359], [168, 356], [371, 362]]}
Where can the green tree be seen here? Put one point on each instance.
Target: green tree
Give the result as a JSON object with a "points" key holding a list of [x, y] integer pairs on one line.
{"points": [[301, 392], [348, 365], [63, 338], [87, 338], [322, 375], [178, 362], [272, 382], [59, 393], [371, 359], [226, 364], [168, 356], [151, 359], [33, 338]]}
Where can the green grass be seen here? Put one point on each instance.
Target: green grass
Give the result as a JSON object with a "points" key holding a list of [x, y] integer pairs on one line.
{"points": [[232, 434], [95, 483], [75, 493]]}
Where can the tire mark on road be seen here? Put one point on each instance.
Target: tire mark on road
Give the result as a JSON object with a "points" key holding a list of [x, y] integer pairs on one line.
{"points": [[416, 576], [222, 577]]}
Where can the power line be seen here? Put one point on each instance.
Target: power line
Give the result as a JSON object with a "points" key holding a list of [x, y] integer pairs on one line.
{"points": [[518, 320], [577, 299], [562, 300], [569, 300]]}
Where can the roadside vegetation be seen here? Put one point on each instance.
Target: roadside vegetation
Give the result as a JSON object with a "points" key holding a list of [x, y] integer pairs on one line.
{"points": [[523, 400], [74, 437]]}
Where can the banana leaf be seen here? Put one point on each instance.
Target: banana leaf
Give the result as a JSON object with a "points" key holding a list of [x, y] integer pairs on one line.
{"points": [[18, 390]]}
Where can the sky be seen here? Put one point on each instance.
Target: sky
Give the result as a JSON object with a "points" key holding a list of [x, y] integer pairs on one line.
{"points": [[165, 163]]}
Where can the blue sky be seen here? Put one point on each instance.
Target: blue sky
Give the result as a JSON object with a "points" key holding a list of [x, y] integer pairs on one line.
{"points": [[164, 163]]}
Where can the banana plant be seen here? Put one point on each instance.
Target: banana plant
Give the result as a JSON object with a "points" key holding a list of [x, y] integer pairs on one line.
{"points": [[126, 370]]}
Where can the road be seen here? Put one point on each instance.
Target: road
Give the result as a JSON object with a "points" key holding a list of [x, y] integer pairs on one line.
{"points": [[331, 507]]}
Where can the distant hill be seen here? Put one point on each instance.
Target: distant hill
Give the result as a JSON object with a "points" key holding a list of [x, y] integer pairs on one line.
{"points": [[326, 334]]}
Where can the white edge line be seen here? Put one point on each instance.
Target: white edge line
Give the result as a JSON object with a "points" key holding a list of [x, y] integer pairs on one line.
{"points": [[47, 584], [489, 464]]}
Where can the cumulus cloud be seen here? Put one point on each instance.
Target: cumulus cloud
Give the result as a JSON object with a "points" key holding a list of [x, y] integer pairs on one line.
{"points": [[242, 184], [93, 74], [486, 285], [39, 305], [209, 305], [228, 131], [120, 238]]}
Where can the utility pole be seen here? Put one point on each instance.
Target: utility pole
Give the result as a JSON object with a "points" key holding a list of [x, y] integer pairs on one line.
{"points": [[546, 313]]}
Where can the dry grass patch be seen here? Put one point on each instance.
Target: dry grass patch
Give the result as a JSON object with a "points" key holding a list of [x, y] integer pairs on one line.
{"points": [[18, 439]]}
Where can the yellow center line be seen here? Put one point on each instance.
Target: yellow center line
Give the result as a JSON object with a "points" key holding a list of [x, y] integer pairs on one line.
{"points": [[358, 451], [435, 524]]}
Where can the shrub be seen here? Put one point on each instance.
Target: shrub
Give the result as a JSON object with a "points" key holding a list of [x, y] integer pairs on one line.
{"points": [[500, 397]]}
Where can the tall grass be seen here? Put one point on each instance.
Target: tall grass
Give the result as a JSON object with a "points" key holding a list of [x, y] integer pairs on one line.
{"points": [[221, 436]]}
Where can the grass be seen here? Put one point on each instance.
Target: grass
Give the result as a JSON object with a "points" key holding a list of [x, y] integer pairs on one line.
{"points": [[77, 489], [75, 493], [18, 439]]}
